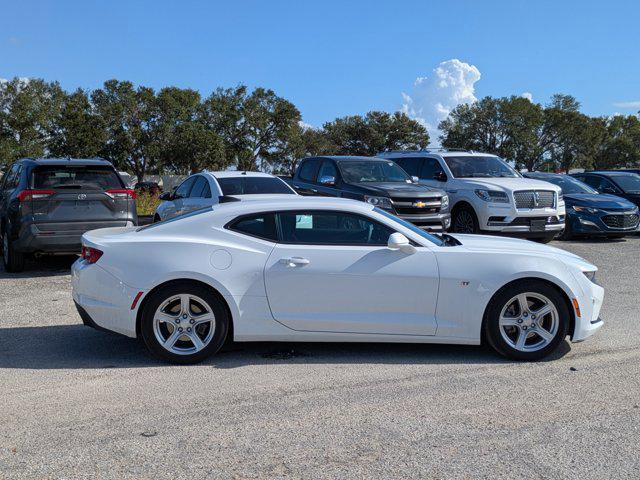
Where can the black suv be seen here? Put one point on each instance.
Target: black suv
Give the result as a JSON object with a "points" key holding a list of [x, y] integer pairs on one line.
{"points": [[47, 204], [379, 182]]}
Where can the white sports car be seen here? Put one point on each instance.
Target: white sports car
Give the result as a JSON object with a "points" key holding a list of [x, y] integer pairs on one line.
{"points": [[328, 270]]}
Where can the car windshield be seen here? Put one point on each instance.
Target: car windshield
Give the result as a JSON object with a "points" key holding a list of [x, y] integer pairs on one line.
{"points": [[372, 172], [568, 184], [629, 183], [76, 177], [411, 226], [253, 186], [470, 166]]}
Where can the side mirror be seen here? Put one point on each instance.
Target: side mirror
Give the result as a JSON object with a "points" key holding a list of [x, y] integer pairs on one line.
{"points": [[165, 196], [440, 176], [328, 180], [415, 179], [398, 241]]}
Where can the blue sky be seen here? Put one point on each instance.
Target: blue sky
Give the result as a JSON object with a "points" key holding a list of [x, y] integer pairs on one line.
{"points": [[334, 58]]}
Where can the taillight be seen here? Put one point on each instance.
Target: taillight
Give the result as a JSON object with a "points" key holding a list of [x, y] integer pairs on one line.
{"points": [[90, 254], [25, 195], [121, 193]]}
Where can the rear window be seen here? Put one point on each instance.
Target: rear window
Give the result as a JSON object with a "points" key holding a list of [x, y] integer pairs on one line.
{"points": [[253, 186], [76, 177]]}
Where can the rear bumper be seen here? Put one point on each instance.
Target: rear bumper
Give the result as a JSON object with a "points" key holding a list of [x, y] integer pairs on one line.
{"points": [[59, 237]]}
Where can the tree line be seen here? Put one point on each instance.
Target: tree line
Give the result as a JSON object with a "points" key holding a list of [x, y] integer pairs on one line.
{"points": [[176, 130]]}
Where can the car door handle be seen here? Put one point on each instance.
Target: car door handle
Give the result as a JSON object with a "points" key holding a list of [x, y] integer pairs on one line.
{"points": [[295, 261]]}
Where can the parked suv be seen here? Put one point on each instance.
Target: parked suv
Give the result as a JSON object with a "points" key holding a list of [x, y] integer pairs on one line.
{"points": [[376, 181], [47, 204], [487, 194]]}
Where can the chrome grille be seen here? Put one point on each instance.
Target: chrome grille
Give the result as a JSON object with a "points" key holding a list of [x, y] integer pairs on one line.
{"points": [[621, 221], [534, 199], [409, 206]]}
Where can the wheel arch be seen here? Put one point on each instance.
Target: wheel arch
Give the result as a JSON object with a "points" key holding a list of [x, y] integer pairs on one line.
{"points": [[562, 290], [463, 204], [192, 281]]}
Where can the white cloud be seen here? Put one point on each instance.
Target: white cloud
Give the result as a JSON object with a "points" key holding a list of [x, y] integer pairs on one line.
{"points": [[635, 104], [527, 95], [433, 97], [306, 126]]}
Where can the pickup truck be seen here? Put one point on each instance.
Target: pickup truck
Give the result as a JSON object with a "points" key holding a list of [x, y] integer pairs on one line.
{"points": [[376, 181]]}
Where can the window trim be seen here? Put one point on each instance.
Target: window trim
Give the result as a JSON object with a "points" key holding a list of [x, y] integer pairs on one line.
{"points": [[229, 226]]}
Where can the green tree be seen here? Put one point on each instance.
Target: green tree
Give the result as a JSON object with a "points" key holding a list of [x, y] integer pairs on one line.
{"points": [[620, 145], [302, 142], [77, 131], [255, 127], [130, 116], [373, 133], [28, 108]]}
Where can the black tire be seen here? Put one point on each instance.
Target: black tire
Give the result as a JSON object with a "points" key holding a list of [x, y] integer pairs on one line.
{"points": [[13, 261], [545, 239], [616, 235], [156, 218], [464, 220], [567, 233], [492, 329], [215, 303]]}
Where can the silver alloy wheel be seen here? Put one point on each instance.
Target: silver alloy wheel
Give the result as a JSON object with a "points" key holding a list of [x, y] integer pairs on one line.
{"points": [[464, 222], [184, 324], [529, 322]]}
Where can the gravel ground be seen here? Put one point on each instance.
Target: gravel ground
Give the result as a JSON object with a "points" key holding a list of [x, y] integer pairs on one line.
{"points": [[77, 403]]}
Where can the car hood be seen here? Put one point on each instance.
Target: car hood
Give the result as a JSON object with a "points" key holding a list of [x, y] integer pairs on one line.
{"points": [[597, 201], [401, 189], [506, 183], [495, 244]]}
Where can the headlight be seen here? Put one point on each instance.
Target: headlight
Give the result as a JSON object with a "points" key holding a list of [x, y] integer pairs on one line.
{"points": [[382, 202], [492, 196], [591, 276], [445, 202], [585, 209]]}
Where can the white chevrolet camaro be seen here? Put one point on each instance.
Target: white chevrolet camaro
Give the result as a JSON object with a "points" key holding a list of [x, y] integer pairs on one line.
{"points": [[315, 269]]}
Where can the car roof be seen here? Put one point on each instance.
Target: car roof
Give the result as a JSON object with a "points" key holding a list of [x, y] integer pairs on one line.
{"points": [[347, 158], [68, 161], [289, 202], [612, 173], [437, 152], [238, 174], [543, 174]]}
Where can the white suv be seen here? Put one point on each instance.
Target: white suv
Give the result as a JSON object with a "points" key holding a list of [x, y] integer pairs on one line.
{"points": [[487, 194]]}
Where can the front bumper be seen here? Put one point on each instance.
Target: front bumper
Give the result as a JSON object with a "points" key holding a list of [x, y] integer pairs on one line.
{"points": [[439, 222], [584, 223], [505, 218], [590, 304]]}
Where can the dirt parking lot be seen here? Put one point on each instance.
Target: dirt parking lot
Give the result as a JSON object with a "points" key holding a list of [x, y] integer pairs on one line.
{"points": [[78, 403]]}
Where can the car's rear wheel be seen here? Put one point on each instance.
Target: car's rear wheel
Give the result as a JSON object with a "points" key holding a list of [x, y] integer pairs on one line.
{"points": [[465, 220], [184, 322], [13, 261], [527, 320]]}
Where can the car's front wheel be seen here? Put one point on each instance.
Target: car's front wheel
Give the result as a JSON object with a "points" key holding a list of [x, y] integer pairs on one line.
{"points": [[465, 220], [184, 322], [527, 320]]}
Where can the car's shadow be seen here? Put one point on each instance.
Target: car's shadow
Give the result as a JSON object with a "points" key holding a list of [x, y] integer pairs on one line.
{"points": [[79, 347], [45, 266]]}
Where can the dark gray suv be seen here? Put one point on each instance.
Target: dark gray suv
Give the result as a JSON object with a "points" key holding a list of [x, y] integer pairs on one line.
{"points": [[47, 204]]}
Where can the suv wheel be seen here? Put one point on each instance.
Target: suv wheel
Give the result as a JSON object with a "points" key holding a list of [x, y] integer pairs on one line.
{"points": [[465, 221], [13, 261], [526, 320], [184, 323]]}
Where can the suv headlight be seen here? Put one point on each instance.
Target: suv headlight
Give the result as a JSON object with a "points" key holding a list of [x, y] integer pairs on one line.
{"points": [[493, 196], [445, 202], [382, 202]]}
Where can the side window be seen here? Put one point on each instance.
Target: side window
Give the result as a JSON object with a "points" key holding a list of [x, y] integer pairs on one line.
{"points": [[183, 190], [605, 183], [430, 168], [592, 181], [410, 165], [198, 187], [308, 170], [13, 177], [331, 228], [328, 169], [206, 193], [262, 225]]}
